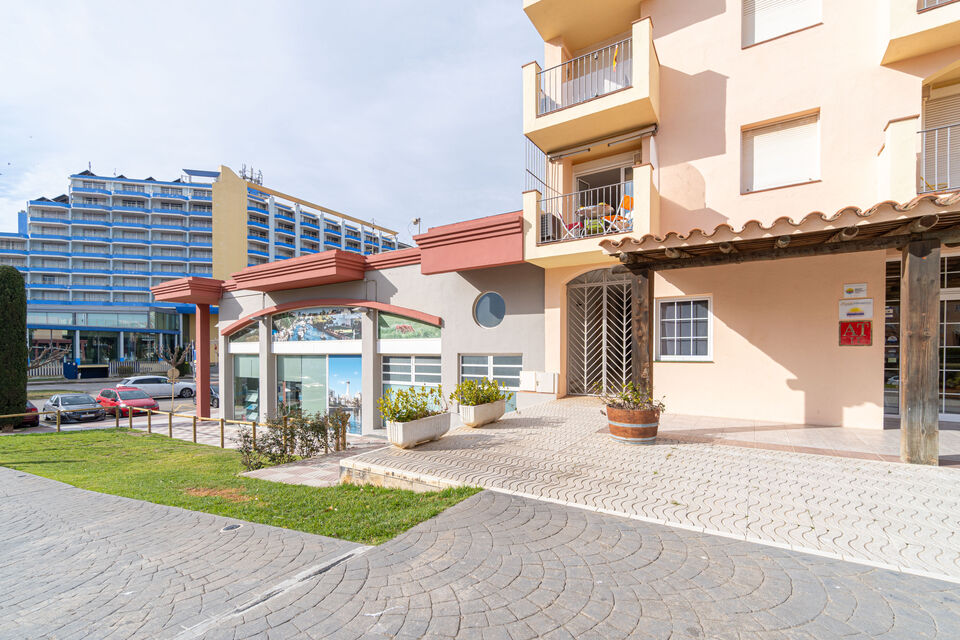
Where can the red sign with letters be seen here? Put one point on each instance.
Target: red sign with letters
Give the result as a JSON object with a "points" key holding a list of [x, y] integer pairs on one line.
{"points": [[856, 333]]}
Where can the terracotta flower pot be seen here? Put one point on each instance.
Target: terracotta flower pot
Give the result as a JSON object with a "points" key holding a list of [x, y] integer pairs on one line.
{"points": [[633, 426]]}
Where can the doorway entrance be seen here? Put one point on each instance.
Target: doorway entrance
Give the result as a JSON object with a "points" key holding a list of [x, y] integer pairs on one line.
{"points": [[599, 342]]}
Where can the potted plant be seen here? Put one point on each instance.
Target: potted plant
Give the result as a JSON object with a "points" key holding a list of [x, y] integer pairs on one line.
{"points": [[480, 402], [414, 416], [633, 416]]}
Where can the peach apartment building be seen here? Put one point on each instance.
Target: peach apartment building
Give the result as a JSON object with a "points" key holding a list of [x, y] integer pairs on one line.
{"points": [[686, 139], [750, 204]]}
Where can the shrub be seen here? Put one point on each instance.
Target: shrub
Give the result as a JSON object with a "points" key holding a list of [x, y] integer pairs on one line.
{"points": [[404, 405], [630, 397], [305, 436], [13, 345], [472, 392]]}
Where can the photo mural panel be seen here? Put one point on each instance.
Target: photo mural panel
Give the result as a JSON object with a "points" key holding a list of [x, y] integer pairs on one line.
{"points": [[391, 327], [344, 379], [318, 323]]}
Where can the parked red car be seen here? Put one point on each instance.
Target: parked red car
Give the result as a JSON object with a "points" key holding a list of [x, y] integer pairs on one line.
{"points": [[33, 420], [123, 400]]}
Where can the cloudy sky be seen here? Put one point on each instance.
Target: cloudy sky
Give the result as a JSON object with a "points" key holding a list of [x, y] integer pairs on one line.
{"points": [[385, 110]]}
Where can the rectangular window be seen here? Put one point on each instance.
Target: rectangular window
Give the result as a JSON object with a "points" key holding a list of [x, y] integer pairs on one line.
{"points": [[767, 19], [246, 387], [411, 371], [781, 154], [503, 369], [684, 329]]}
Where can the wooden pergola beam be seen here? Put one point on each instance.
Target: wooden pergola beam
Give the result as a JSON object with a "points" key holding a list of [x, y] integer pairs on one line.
{"points": [[636, 262]]}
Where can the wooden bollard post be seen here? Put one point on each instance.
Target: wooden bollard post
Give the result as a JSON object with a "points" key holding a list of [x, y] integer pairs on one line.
{"points": [[194, 429], [58, 420], [221, 433], [170, 422], [130, 419], [116, 415], [286, 433], [149, 420], [254, 434]]}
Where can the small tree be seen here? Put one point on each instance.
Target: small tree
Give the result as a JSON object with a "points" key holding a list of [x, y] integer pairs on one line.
{"points": [[48, 355], [13, 346], [175, 358]]}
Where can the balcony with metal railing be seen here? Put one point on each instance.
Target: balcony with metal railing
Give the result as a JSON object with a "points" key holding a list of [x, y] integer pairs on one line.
{"points": [[606, 91], [564, 229], [939, 159]]}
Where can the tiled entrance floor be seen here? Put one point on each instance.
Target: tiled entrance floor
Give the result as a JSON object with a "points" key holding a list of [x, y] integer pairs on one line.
{"points": [[866, 510], [868, 444]]}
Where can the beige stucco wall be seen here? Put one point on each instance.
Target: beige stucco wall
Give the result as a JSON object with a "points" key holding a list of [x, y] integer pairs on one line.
{"points": [[229, 224], [711, 88], [776, 353]]}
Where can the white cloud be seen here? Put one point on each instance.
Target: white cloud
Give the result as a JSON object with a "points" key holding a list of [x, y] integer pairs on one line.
{"points": [[385, 110]]}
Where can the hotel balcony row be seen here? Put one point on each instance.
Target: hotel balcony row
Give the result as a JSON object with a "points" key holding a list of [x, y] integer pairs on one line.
{"points": [[605, 91]]}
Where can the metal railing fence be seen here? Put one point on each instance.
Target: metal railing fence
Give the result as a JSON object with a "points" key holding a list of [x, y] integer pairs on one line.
{"points": [[337, 443], [592, 212], [939, 159], [585, 77]]}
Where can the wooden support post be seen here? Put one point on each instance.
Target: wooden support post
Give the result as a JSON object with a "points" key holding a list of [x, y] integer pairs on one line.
{"points": [[919, 352], [149, 420], [130, 419], [285, 432], [116, 415], [642, 334], [170, 423], [58, 420], [194, 429], [254, 435], [221, 433]]}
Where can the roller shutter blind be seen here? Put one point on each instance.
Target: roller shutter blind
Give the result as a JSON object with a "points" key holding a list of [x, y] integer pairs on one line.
{"points": [[766, 19], [781, 154], [940, 144]]}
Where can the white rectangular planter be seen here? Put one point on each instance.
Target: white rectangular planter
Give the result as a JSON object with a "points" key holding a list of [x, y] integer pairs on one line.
{"points": [[481, 414], [409, 434]]}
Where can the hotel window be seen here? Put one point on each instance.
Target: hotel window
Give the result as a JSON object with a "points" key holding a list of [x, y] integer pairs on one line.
{"points": [[781, 154], [410, 371], [684, 330], [767, 19]]}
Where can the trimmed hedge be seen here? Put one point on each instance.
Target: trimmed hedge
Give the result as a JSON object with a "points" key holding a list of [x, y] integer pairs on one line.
{"points": [[13, 344]]}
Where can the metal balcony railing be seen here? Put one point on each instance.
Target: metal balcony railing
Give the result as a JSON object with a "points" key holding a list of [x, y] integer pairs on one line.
{"points": [[593, 212], [585, 77], [939, 159]]}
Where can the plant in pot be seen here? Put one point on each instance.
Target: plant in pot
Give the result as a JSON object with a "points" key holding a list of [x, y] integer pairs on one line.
{"points": [[633, 415], [414, 415], [480, 402]]}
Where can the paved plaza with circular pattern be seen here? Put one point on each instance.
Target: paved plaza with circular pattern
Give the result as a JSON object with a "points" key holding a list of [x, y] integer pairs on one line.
{"points": [[78, 564]]}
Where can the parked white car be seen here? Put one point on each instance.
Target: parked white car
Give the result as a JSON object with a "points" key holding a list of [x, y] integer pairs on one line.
{"points": [[159, 386]]}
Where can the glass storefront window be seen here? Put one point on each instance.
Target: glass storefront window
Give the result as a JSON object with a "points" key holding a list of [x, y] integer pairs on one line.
{"points": [[246, 387], [247, 334], [49, 317], [98, 347], [40, 339], [132, 320], [391, 327], [140, 346], [164, 321], [319, 323], [302, 383]]}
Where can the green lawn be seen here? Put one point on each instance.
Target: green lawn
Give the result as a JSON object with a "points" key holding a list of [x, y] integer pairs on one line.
{"points": [[43, 394], [203, 478]]}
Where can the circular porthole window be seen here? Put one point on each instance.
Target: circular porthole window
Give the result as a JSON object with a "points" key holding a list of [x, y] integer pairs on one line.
{"points": [[489, 309]]}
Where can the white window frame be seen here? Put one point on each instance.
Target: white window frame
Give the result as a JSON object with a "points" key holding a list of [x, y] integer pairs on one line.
{"points": [[656, 329], [413, 370], [746, 42], [490, 365], [753, 164]]}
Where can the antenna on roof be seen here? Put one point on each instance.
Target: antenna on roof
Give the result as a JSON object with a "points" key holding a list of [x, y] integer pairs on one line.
{"points": [[250, 176], [89, 166]]}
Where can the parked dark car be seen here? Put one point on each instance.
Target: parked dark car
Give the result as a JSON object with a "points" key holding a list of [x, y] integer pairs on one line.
{"points": [[73, 407], [214, 397], [31, 420]]}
